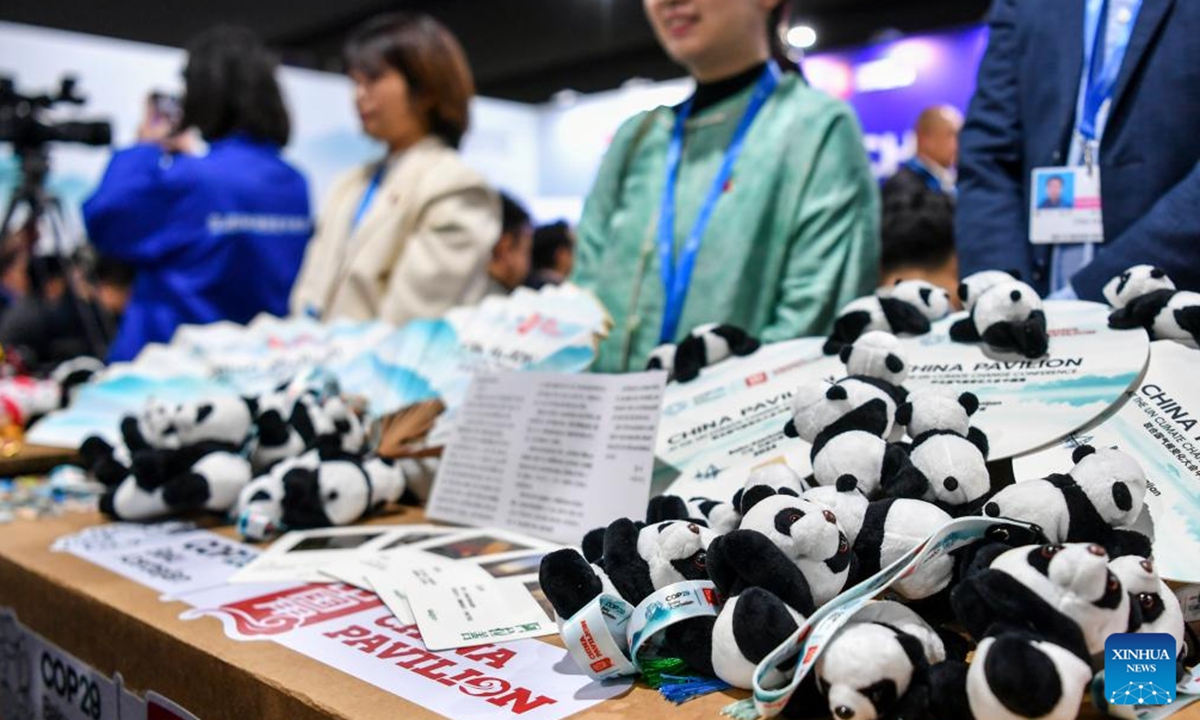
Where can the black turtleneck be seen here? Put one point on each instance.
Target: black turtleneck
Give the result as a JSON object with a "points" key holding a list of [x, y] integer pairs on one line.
{"points": [[709, 94]]}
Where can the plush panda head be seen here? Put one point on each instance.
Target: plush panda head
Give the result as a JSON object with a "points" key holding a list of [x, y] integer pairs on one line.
{"points": [[955, 469], [774, 478], [974, 286], [156, 424], [1075, 580], [933, 301], [876, 355], [1040, 502], [1159, 606], [662, 358], [347, 425], [934, 409], [1113, 481], [810, 537], [867, 669], [219, 419], [1006, 302], [1136, 281], [817, 406], [675, 550], [849, 505]]}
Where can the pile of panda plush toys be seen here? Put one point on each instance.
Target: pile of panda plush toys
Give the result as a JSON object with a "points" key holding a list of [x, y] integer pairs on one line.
{"points": [[1031, 606], [288, 459]]}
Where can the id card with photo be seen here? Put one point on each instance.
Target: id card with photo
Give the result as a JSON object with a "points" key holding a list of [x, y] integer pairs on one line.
{"points": [[1064, 206]]}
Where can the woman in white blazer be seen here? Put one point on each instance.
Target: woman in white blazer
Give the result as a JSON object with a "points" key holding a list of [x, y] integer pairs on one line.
{"points": [[409, 236]]}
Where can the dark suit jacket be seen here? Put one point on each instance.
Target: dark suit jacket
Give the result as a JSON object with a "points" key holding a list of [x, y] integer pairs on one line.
{"points": [[1022, 117]]}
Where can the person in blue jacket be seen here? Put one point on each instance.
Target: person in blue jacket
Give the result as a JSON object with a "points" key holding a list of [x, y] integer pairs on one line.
{"points": [[212, 237], [1110, 81]]}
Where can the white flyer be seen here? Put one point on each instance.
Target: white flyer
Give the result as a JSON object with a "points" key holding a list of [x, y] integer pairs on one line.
{"points": [[1159, 424], [459, 604], [302, 555], [355, 568], [174, 563], [730, 419], [549, 454], [1027, 404]]}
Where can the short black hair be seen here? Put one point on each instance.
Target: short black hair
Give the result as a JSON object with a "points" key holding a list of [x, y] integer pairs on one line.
{"points": [[231, 87], [513, 215], [918, 231], [547, 241], [108, 271]]}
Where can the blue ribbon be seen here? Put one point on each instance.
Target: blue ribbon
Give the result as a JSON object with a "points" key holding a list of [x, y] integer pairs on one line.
{"points": [[677, 272], [368, 196], [1102, 72]]}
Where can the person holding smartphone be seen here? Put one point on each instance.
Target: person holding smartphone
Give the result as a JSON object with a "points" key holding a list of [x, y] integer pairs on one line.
{"points": [[218, 236]]}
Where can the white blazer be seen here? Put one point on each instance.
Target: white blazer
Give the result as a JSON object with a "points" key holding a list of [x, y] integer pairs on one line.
{"points": [[421, 248]]}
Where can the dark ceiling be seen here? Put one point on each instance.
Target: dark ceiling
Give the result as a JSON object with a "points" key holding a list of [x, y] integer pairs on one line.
{"points": [[523, 50]]}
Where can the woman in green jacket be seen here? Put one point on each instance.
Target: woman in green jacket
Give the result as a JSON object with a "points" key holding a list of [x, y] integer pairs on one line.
{"points": [[772, 213]]}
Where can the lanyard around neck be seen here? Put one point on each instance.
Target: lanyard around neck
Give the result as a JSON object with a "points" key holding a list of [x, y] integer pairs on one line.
{"points": [[1100, 72], [677, 272]]}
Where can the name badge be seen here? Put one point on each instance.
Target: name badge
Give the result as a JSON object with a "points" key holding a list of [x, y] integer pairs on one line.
{"points": [[1064, 206]]}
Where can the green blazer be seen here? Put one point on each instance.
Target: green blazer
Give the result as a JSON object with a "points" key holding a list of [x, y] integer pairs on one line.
{"points": [[794, 237]]}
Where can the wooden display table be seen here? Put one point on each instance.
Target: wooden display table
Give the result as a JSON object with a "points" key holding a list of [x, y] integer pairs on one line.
{"points": [[116, 625], [35, 459]]}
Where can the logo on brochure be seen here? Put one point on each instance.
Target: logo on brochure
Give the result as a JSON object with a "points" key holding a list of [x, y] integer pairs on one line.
{"points": [[709, 473], [1139, 669], [280, 612]]}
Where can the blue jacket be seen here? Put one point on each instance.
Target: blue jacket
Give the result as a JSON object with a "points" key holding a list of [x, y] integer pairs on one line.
{"points": [[218, 237], [1022, 117]]}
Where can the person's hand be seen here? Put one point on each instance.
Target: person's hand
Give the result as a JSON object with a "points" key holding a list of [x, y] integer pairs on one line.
{"points": [[180, 142], [155, 128]]}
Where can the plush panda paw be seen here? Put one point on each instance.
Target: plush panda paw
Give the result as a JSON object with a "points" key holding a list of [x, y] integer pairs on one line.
{"points": [[569, 581]]}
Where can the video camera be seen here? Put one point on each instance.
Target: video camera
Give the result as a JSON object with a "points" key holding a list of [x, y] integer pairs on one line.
{"points": [[22, 125]]}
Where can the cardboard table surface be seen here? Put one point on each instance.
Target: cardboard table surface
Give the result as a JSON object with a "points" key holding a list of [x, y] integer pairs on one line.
{"points": [[116, 625]]}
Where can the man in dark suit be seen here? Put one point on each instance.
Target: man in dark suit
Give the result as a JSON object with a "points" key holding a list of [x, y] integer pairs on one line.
{"points": [[1027, 113]]}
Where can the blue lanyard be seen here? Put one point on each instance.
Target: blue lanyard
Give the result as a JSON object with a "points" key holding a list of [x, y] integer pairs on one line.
{"points": [[677, 274], [925, 174], [368, 196], [1101, 72]]}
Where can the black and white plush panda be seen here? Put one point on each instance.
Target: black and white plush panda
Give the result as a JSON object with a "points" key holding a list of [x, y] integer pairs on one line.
{"points": [[275, 438], [1098, 501], [932, 300], [852, 453], [706, 345], [1009, 317], [816, 406], [973, 286], [1143, 296], [946, 469], [931, 409], [809, 536], [191, 461], [662, 358], [1017, 674], [877, 355], [259, 509], [1065, 593], [894, 526], [877, 665], [1159, 606], [338, 491], [873, 312], [634, 563]]}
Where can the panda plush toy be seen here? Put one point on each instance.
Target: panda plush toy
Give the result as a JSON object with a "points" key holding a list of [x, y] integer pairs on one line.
{"points": [[258, 513], [143, 430], [1098, 501], [634, 563], [933, 301], [1016, 674], [933, 409], [338, 491], [274, 438], [945, 468], [816, 406], [1008, 317], [1065, 593], [973, 286], [1143, 296], [191, 461], [1158, 605], [723, 517], [705, 345], [878, 666], [891, 313], [877, 355]]}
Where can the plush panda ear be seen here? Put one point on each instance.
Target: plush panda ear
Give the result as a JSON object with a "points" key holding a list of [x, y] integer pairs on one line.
{"points": [[754, 496], [836, 392], [1015, 273], [1157, 273], [847, 483], [969, 402], [789, 430], [845, 353], [962, 292], [904, 414], [1081, 452], [252, 404], [203, 412], [1015, 295], [894, 363], [736, 502]]}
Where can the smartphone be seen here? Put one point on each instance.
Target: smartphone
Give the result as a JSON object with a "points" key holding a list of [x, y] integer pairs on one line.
{"points": [[167, 108]]}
